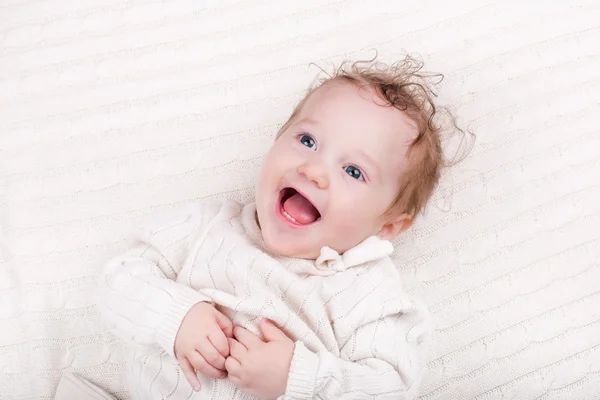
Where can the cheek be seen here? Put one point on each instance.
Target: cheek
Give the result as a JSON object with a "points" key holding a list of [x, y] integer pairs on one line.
{"points": [[280, 156], [355, 224], [357, 212], [274, 166], [270, 166]]}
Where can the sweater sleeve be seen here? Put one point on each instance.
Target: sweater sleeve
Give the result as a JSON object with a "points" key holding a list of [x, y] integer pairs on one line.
{"points": [[138, 296], [381, 360]]}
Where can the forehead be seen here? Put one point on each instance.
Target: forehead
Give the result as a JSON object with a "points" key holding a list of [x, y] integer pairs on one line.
{"points": [[358, 115]]}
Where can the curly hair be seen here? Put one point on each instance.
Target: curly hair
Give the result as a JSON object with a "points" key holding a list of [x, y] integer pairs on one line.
{"points": [[404, 86]]}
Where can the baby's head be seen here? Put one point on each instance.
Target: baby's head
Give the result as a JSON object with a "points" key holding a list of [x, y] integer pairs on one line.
{"points": [[359, 156]]}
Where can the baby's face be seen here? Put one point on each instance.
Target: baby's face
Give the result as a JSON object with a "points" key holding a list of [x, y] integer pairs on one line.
{"points": [[332, 174]]}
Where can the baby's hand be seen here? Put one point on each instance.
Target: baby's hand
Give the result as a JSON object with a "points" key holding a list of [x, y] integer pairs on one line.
{"points": [[201, 344], [260, 368]]}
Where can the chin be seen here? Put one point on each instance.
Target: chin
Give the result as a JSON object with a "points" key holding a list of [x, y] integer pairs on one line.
{"points": [[289, 248]]}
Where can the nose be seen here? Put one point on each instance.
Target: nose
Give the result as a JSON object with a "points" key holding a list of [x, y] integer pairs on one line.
{"points": [[315, 174]]}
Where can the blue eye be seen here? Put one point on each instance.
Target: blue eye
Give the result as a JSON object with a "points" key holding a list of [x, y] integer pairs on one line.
{"points": [[308, 141], [354, 172]]}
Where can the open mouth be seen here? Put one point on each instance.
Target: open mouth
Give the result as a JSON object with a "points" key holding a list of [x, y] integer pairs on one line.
{"points": [[296, 208]]}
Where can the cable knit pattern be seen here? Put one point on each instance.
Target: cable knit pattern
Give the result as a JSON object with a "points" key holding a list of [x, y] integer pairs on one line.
{"points": [[354, 329], [114, 111]]}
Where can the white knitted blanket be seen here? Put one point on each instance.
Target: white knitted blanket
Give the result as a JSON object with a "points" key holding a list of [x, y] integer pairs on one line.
{"points": [[111, 111]]}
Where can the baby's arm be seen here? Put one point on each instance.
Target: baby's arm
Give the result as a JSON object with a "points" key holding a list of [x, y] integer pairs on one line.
{"points": [[381, 360], [138, 297]]}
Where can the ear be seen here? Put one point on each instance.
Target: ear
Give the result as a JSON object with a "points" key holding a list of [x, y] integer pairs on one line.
{"points": [[395, 226]]}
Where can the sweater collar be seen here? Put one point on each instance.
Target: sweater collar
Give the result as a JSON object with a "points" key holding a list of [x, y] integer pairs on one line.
{"points": [[329, 261]]}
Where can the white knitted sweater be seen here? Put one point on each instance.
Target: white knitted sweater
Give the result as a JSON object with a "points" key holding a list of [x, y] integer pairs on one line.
{"points": [[358, 335]]}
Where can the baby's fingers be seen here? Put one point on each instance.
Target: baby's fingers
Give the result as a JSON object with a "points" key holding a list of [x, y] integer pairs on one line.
{"points": [[201, 366], [211, 355], [218, 341], [224, 323], [189, 373]]}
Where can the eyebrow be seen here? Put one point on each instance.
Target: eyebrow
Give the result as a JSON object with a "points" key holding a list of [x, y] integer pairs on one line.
{"points": [[307, 121]]}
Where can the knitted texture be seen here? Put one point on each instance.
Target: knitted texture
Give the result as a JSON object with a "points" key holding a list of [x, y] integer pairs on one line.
{"points": [[114, 111], [357, 334]]}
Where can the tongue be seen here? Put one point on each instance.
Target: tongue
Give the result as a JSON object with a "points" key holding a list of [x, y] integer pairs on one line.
{"points": [[301, 209]]}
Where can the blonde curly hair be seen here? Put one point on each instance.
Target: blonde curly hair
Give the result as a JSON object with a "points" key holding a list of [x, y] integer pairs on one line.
{"points": [[404, 86]]}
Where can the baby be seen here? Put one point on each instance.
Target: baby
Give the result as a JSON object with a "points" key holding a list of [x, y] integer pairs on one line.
{"points": [[293, 296]]}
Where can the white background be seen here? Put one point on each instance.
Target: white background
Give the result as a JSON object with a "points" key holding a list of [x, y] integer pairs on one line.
{"points": [[111, 111]]}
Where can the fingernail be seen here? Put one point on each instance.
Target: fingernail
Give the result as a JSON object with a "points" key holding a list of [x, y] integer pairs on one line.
{"points": [[197, 388]]}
